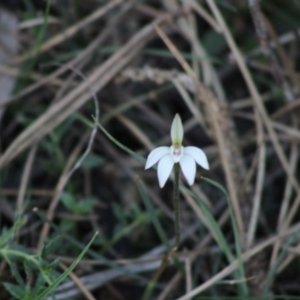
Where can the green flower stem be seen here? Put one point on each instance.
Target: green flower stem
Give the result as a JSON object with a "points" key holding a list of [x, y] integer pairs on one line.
{"points": [[158, 273], [176, 205], [170, 254]]}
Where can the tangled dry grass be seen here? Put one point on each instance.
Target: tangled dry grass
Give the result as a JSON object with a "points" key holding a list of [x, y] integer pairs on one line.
{"points": [[230, 69]]}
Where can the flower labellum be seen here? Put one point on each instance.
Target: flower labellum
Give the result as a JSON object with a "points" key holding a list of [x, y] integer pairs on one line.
{"points": [[187, 157]]}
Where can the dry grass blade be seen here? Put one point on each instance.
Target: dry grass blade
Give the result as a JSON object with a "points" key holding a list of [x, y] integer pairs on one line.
{"points": [[188, 272], [87, 52], [224, 68], [255, 94], [25, 178], [259, 185], [136, 131], [285, 203], [60, 187], [261, 30], [246, 256], [68, 33], [79, 284], [283, 55], [214, 113], [203, 13], [77, 97]]}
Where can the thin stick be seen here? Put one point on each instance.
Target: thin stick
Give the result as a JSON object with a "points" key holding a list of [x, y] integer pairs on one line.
{"points": [[77, 97], [64, 179], [157, 274], [234, 265], [68, 33], [256, 96], [25, 179], [79, 284]]}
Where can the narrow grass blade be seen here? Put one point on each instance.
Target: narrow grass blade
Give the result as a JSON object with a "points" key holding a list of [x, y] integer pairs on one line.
{"points": [[243, 285], [279, 259], [126, 149], [93, 253], [156, 223], [60, 278]]}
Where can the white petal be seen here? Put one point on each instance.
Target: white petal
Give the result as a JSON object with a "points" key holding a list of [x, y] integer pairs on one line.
{"points": [[164, 169], [198, 155], [177, 130], [155, 155], [188, 168]]}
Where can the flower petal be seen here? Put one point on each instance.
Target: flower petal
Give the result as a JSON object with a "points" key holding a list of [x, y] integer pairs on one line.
{"points": [[188, 168], [155, 155], [164, 169], [198, 155], [177, 130]]}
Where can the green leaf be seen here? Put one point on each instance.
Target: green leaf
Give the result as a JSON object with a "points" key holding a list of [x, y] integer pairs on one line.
{"points": [[60, 278], [151, 212], [47, 273], [282, 255], [94, 254], [51, 246], [243, 286], [66, 225], [9, 234], [28, 267], [15, 272], [214, 42], [16, 291], [100, 240], [119, 212], [68, 200], [92, 161], [215, 229], [84, 206], [39, 284], [120, 145]]}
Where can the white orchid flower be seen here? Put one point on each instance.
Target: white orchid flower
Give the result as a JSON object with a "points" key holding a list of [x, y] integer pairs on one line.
{"points": [[187, 157]]}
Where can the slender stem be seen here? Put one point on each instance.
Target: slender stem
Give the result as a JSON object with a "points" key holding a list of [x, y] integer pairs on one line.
{"points": [[157, 274], [169, 255], [176, 204]]}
